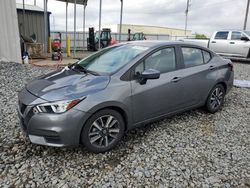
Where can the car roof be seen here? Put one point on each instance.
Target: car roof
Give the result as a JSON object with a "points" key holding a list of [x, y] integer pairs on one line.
{"points": [[153, 43], [158, 43]]}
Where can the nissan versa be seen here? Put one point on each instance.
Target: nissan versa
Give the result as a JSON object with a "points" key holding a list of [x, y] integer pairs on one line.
{"points": [[94, 101]]}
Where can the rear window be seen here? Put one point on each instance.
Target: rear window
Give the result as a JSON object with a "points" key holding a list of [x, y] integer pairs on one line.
{"points": [[192, 57], [222, 35], [206, 56]]}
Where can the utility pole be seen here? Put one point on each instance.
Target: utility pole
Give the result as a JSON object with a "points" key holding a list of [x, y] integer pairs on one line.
{"points": [[186, 12], [247, 9]]}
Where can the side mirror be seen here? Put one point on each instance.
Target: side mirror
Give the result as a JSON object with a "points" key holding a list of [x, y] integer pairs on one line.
{"points": [[244, 38], [149, 74]]}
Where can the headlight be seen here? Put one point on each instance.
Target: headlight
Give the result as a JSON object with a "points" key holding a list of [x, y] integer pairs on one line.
{"points": [[56, 107]]}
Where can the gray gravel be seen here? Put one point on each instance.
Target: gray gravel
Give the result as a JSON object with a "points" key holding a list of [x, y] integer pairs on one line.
{"points": [[193, 149]]}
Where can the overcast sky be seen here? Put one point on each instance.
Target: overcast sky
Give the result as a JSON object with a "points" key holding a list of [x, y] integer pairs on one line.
{"points": [[204, 16]]}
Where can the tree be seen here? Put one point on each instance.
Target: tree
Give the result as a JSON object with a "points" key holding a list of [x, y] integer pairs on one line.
{"points": [[200, 36]]}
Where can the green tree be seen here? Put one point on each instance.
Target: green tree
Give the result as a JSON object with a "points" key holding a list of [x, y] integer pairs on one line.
{"points": [[200, 36]]}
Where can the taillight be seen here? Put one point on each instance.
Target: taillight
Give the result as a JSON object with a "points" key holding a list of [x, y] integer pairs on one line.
{"points": [[231, 66]]}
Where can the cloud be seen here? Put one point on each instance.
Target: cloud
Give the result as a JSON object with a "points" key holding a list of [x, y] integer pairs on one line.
{"points": [[204, 16]]}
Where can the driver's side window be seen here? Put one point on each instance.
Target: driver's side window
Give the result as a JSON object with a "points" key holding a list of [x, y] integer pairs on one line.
{"points": [[162, 60]]}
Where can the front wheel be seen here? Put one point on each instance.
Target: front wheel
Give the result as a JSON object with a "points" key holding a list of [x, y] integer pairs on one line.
{"points": [[103, 131], [215, 99]]}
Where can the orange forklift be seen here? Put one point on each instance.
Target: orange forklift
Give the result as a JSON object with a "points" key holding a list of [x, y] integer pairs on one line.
{"points": [[105, 37]]}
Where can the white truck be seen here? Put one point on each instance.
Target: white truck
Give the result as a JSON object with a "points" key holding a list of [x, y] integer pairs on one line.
{"points": [[232, 44]]}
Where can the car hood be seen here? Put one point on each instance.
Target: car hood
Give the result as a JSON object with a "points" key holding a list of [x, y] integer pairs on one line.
{"points": [[66, 84]]}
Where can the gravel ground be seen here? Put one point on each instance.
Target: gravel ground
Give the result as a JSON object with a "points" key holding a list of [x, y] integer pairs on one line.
{"points": [[193, 149]]}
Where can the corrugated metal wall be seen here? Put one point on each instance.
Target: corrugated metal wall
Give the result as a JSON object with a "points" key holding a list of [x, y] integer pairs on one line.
{"points": [[34, 23], [9, 34]]}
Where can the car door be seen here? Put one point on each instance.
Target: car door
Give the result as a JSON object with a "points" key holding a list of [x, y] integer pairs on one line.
{"points": [[219, 42], [159, 96], [236, 46], [198, 76]]}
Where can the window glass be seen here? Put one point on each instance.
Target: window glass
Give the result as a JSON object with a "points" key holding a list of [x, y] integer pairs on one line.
{"points": [[206, 56], [192, 57], [162, 60], [221, 35], [110, 60], [247, 32], [236, 35]]}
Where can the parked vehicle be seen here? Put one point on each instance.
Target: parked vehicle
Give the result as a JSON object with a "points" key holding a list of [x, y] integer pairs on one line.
{"points": [[93, 40], [94, 101], [136, 36], [232, 44]]}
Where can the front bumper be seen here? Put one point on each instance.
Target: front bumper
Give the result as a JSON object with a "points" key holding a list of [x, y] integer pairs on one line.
{"points": [[53, 129]]}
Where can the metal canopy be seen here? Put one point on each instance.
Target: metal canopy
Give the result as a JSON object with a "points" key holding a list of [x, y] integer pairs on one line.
{"points": [[75, 2], [78, 2], [84, 3]]}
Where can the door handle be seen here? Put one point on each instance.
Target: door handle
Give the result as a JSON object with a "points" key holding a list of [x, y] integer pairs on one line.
{"points": [[213, 41], [176, 79], [211, 67], [232, 43]]}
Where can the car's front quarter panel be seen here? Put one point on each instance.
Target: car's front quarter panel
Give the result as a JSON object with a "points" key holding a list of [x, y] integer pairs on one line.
{"points": [[116, 94]]}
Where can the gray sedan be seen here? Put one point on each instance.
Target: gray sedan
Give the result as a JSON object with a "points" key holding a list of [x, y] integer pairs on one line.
{"points": [[94, 101]]}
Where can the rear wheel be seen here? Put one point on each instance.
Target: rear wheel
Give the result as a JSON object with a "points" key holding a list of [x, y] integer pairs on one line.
{"points": [[103, 131], [215, 99]]}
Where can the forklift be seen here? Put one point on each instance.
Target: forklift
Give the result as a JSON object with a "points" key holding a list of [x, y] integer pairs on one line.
{"points": [[136, 36], [93, 40]]}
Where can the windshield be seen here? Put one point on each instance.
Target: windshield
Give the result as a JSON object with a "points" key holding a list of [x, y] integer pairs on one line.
{"points": [[112, 59]]}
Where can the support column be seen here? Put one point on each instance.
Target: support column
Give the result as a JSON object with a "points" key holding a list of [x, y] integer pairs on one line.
{"points": [[67, 37], [100, 23], [24, 33], [84, 8], [75, 28], [120, 33], [45, 26]]}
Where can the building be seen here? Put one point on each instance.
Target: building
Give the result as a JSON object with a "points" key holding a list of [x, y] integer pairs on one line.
{"points": [[9, 34], [31, 21], [154, 30]]}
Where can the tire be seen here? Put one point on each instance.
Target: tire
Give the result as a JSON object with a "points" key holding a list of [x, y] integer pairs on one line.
{"points": [[96, 134], [215, 99]]}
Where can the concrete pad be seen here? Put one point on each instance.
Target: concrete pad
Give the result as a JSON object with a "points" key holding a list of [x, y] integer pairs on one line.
{"points": [[49, 63]]}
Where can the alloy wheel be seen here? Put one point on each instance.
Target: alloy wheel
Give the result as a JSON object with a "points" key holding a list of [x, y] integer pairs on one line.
{"points": [[216, 98], [104, 131]]}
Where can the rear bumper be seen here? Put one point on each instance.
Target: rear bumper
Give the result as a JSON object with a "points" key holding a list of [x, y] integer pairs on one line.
{"points": [[54, 129], [230, 81]]}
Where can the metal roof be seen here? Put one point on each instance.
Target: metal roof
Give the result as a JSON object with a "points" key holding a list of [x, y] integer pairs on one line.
{"points": [[29, 7], [80, 2]]}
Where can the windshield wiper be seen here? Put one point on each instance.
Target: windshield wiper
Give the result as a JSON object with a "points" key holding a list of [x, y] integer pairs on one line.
{"points": [[80, 68]]}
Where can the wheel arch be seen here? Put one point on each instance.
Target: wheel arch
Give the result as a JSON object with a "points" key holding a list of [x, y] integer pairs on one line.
{"points": [[223, 84], [114, 106]]}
